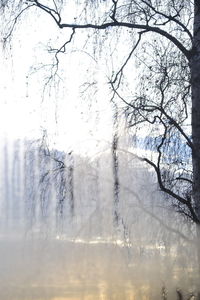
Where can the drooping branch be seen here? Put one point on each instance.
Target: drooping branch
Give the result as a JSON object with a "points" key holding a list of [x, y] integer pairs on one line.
{"points": [[169, 18], [14, 22], [62, 49], [136, 195], [186, 202], [152, 108], [166, 120], [184, 179], [120, 71], [146, 210], [179, 128], [143, 110], [143, 27]]}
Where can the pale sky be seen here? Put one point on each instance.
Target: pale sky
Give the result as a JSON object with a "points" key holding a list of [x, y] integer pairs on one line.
{"points": [[71, 119]]}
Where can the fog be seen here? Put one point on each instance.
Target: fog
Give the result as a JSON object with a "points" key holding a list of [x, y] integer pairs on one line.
{"points": [[68, 231], [80, 216]]}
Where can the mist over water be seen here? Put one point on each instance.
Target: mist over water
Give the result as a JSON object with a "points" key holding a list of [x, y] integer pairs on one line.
{"points": [[77, 227]]}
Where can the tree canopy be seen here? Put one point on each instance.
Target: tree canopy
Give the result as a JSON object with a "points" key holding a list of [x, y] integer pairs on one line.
{"points": [[162, 43]]}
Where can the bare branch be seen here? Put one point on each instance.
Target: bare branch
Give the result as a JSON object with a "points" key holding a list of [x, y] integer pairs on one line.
{"points": [[113, 16], [184, 179], [169, 18], [180, 129], [120, 72], [62, 49], [57, 18], [185, 202], [15, 22]]}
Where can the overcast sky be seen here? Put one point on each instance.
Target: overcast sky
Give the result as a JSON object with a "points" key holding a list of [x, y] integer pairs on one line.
{"points": [[75, 114]]}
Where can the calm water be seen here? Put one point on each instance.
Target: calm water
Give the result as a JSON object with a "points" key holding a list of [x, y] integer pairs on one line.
{"points": [[67, 233], [62, 270]]}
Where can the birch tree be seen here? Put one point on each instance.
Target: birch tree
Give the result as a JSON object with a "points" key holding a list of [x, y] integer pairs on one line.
{"points": [[163, 42]]}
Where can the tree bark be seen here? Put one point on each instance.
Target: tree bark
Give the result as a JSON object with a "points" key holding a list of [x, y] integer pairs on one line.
{"points": [[195, 85], [195, 82]]}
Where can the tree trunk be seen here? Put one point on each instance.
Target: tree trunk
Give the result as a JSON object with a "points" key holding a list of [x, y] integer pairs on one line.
{"points": [[195, 82], [195, 85]]}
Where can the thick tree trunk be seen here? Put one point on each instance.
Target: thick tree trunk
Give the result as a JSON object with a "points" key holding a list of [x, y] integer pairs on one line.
{"points": [[195, 84]]}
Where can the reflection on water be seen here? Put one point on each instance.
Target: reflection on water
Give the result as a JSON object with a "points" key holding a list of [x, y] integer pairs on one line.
{"points": [[64, 235], [62, 270]]}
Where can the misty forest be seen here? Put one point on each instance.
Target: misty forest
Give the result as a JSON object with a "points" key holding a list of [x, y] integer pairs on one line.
{"points": [[100, 150]]}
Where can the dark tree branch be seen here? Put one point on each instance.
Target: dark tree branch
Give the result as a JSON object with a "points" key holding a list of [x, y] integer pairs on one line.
{"points": [[147, 211], [113, 16], [184, 179], [52, 12], [62, 49], [169, 18], [182, 200], [186, 202], [57, 18], [54, 67], [120, 72], [179, 128], [151, 108]]}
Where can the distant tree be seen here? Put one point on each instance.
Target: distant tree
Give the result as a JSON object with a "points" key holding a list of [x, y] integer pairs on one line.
{"points": [[166, 103]]}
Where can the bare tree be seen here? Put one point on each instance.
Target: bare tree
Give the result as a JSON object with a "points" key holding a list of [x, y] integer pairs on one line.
{"points": [[163, 39]]}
